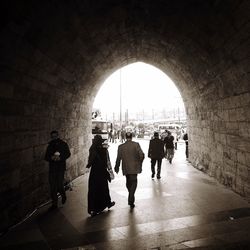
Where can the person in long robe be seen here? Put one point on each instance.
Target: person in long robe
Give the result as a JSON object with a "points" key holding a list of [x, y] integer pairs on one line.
{"points": [[98, 189]]}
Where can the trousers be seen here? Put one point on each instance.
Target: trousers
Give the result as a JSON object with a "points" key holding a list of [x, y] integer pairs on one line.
{"points": [[153, 162], [56, 179], [131, 184]]}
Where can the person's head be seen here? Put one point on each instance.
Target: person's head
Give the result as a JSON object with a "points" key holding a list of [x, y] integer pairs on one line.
{"points": [[169, 132], [97, 140], [129, 136], [156, 135], [54, 135]]}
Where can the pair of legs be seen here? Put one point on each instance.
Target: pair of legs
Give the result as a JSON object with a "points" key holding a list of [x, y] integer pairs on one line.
{"points": [[153, 162], [131, 184], [170, 154], [186, 150], [56, 179]]}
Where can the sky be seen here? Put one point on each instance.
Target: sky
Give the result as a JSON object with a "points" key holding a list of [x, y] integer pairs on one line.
{"points": [[144, 87]]}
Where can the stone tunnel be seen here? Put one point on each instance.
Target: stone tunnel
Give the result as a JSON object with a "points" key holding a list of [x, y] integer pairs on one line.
{"points": [[55, 55]]}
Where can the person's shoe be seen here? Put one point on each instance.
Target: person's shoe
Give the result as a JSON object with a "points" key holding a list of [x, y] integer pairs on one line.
{"points": [[132, 206], [92, 213], [170, 161], [53, 207], [64, 198], [111, 204], [152, 176], [158, 177]]}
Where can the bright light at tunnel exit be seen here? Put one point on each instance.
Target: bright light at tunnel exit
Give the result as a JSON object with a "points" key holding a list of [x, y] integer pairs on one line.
{"points": [[144, 88]]}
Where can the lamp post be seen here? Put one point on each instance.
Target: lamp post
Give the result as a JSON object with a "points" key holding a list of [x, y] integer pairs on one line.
{"points": [[120, 98]]}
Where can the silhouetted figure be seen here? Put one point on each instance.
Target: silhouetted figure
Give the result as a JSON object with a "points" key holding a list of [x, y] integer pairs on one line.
{"points": [[123, 133], [118, 134], [132, 156], [56, 154], [114, 136], [169, 145], [185, 138], [156, 153], [110, 135], [98, 192]]}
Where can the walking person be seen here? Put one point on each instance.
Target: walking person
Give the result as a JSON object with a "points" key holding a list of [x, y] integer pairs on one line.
{"points": [[132, 156], [110, 136], [185, 138], [114, 136], [56, 154], [156, 153], [123, 133], [98, 189], [169, 146]]}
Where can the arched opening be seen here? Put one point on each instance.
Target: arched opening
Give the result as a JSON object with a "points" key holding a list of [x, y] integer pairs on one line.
{"points": [[141, 99], [140, 92]]}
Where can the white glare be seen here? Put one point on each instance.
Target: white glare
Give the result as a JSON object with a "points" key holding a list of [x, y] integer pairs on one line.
{"points": [[144, 87]]}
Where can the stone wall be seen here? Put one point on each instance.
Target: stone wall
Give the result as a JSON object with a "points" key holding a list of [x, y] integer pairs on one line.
{"points": [[54, 56]]}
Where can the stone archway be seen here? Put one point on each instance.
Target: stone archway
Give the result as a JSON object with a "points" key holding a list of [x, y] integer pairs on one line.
{"points": [[54, 57]]}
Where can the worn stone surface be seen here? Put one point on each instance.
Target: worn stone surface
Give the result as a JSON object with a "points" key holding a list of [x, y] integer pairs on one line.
{"points": [[55, 55]]}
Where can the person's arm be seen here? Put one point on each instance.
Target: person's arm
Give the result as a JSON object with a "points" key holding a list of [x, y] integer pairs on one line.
{"points": [[162, 149], [91, 159], [48, 154], [140, 152], [66, 152], [118, 160], [150, 149]]}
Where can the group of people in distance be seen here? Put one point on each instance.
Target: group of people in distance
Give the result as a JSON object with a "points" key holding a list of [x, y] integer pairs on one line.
{"points": [[129, 154]]}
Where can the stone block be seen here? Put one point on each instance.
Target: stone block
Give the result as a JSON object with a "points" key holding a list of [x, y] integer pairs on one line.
{"points": [[6, 143], [26, 156], [6, 90], [25, 140], [14, 180], [241, 158], [242, 173], [26, 171], [39, 152], [9, 196], [10, 107]]}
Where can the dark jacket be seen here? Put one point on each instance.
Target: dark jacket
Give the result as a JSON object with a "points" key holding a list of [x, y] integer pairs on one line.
{"points": [[185, 138], [169, 141], [98, 162], [156, 149], [62, 147]]}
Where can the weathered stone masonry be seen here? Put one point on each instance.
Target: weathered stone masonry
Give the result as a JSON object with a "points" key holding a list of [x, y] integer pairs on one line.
{"points": [[54, 56]]}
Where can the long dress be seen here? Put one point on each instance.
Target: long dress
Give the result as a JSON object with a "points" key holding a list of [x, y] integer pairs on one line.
{"points": [[98, 193]]}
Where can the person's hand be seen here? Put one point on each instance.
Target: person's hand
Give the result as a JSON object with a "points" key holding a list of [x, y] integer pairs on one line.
{"points": [[55, 158], [116, 170]]}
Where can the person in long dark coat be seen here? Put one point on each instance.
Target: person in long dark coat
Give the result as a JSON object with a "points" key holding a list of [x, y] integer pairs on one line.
{"points": [[98, 192]]}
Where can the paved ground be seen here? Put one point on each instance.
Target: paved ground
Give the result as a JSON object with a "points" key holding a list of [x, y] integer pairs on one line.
{"points": [[184, 209]]}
